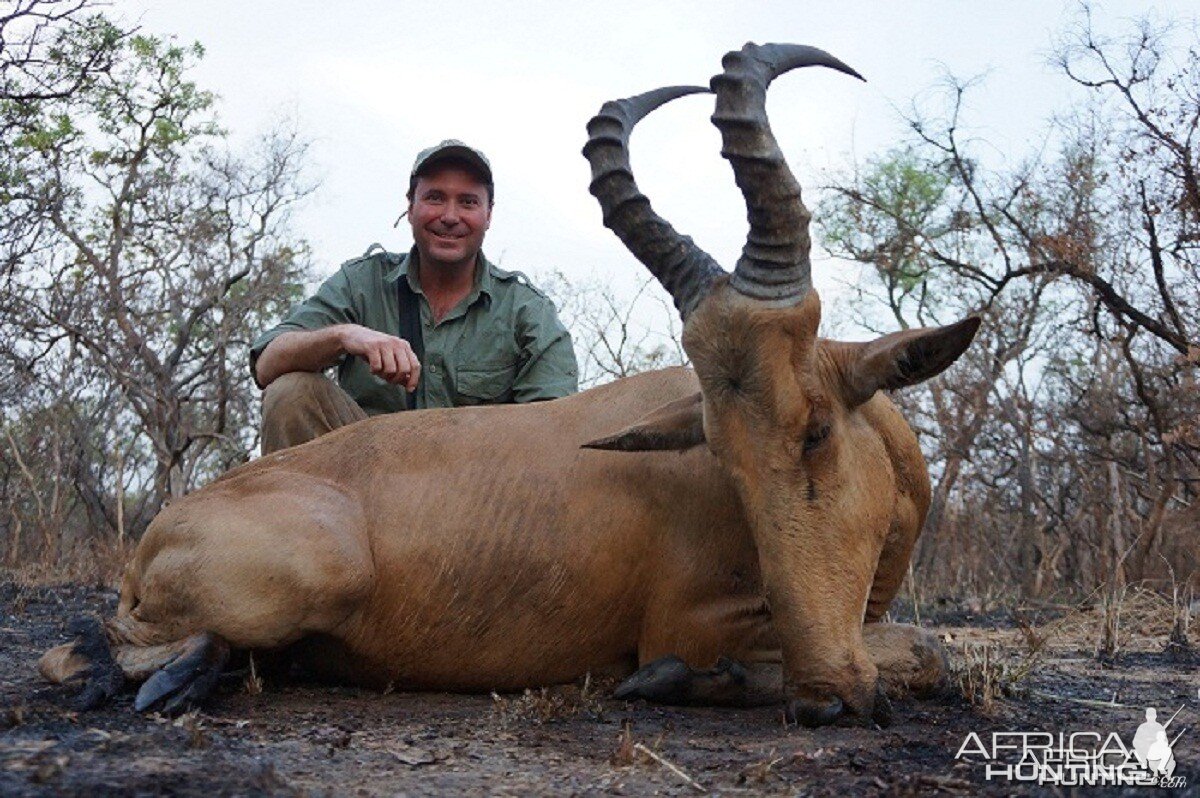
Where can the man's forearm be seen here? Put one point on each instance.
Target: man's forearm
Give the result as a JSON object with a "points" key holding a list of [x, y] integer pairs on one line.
{"points": [[313, 350]]}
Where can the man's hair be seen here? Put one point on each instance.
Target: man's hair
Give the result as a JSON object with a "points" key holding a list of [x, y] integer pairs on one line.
{"points": [[457, 163]]}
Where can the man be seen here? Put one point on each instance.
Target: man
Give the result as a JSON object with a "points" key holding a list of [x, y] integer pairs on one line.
{"points": [[482, 335], [1159, 758], [1146, 735]]}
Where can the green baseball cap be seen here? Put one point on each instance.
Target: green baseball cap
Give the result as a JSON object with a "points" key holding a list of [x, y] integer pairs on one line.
{"points": [[452, 148]]}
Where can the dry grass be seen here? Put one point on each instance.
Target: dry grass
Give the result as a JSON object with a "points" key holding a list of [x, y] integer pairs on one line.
{"points": [[761, 772], [253, 683], [625, 754], [630, 753], [549, 704], [97, 564], [197, 731], [1179, 645], [987, 672], [983, 675], [1132, 619]]}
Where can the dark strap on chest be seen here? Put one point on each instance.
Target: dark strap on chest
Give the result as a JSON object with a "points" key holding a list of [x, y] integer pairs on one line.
{"points": [[410, 329], [410, 321]]}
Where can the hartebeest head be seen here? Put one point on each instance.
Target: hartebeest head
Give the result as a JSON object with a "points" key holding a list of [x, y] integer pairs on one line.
{"points": [[783, 411]]}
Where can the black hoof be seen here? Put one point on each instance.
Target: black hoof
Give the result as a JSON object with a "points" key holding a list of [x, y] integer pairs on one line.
{"points": [[103, 679], [664, 680], [881, 713], [728, 673], [813, 713], [185, 682]]}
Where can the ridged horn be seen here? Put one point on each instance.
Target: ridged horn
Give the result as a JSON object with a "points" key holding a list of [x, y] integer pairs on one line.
{"points": [[774, 266], [685, 270]]}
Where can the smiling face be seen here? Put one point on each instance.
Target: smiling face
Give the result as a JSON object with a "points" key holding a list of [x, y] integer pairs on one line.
{"points": [[449, 212]]}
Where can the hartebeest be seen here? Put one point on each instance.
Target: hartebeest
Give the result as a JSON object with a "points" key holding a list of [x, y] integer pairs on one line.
{"points": [[732, 545]]}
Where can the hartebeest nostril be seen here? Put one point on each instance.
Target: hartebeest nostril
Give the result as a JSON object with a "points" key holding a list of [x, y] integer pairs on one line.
{"points": [[822, 710]]}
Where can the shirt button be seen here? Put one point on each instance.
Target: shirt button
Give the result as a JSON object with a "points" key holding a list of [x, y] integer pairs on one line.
{"points": [[433, 369]]}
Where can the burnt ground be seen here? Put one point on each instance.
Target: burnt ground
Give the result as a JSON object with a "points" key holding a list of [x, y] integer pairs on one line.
{"points": [[297, 738]]}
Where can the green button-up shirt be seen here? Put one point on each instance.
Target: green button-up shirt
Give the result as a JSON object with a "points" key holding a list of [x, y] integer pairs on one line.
{"points": [[503, 343]]}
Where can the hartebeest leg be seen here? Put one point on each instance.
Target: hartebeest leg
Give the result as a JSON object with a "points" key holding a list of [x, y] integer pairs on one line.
{"points": [[186, 680], [911, 660], [669, 680], [181, 673], [87, 660], [262, 561]]}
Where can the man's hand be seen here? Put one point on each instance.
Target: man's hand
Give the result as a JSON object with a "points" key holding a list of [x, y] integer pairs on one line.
{"points": [[315, 350], [389, 357]]}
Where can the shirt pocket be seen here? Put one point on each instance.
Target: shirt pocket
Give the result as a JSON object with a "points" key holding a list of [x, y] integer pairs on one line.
{"points": [[485, 383]]}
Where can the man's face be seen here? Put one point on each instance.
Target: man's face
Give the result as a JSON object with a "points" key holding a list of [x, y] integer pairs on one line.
{"points": [[449, 213]]}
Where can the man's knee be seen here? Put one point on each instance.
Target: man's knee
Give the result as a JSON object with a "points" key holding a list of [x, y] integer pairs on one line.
{"points": [[300, 406], [293, 392]]}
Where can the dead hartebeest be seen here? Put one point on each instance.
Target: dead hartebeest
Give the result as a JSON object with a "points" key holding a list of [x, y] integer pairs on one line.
{"points": [[731, 535]]}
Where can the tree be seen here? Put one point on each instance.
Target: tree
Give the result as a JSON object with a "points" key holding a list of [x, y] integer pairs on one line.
{"points": [[141, 255], [616, 336], [1073, 418], [49, 49]]}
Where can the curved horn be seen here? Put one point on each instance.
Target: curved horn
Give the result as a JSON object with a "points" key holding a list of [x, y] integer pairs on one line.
{"points": [[685, 270], [774, 266]]}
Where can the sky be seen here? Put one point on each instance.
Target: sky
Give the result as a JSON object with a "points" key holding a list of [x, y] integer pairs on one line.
{"points": [[372, 83]]}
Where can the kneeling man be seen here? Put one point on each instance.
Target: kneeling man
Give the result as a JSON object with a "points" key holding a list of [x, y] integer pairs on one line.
{"points": [[439, 326]]}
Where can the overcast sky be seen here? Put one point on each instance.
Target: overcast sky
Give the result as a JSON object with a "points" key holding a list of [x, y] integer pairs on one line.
{"points": [[371, 83]]}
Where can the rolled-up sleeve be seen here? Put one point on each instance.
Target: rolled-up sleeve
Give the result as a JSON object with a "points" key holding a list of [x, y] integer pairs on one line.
{"points": [[548, 367], [332, 304]]}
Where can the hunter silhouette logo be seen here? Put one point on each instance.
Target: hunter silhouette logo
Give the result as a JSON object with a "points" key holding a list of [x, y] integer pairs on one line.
{"points": [[1151, 748], [1083, 758]]}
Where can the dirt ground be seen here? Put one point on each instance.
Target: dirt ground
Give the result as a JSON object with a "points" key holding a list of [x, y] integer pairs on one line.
{"points": [[293, 738]]}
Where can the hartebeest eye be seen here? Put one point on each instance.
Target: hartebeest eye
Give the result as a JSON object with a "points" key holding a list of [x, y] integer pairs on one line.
{"points": [[815, 436]]}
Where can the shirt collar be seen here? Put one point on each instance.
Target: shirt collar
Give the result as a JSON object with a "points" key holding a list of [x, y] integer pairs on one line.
{"points": [[485, 275]]}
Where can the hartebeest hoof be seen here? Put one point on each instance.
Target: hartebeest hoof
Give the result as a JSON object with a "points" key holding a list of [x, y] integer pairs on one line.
{"points": [[665, 681], [187, 680], [102, 677], [669, 680], [881, 713]]}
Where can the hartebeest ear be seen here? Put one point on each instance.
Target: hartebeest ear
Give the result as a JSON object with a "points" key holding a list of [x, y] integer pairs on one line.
{"points": [[903, 358], [677, 426]]}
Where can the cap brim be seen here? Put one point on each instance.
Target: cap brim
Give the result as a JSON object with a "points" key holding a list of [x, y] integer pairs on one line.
{"points": [[454, 151]]}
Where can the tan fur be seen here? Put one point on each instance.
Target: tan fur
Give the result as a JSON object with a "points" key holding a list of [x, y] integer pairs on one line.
{"points": [[834, 527], [483, 548], [910, 660], [62, 664]]}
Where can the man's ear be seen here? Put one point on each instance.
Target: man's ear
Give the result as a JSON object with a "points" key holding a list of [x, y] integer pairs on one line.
{"points": [[675, 426], [902, 359]]}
